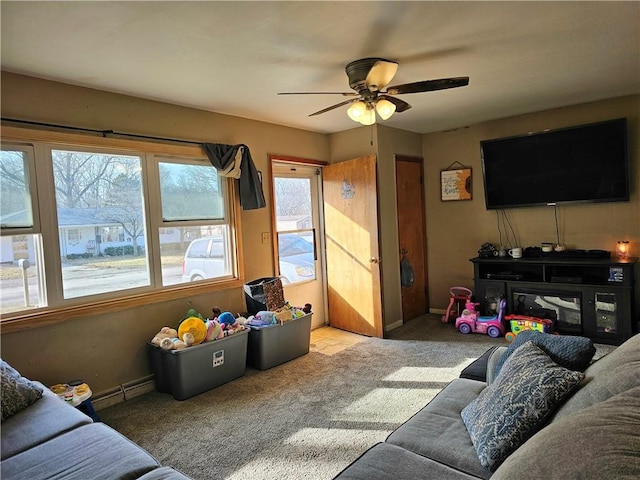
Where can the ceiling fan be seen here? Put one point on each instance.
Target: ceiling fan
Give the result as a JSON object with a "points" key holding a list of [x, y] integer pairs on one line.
{"points": [[369, 77]]}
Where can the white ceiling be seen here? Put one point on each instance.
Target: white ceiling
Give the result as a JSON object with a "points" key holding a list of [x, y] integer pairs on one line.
{"points": [[234, 57]]}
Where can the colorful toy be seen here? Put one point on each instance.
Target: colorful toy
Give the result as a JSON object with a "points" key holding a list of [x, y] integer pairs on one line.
{"points": [[459, 296], [214, 330], [165, 332], [73, 394], [519, 323], [195, 326], [226, 318], [470, 321], [167, 339]]}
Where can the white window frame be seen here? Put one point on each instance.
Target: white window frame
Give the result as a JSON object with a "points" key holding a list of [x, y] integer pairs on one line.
{"points": [[157, 222], [33, 189], [38, 145]]}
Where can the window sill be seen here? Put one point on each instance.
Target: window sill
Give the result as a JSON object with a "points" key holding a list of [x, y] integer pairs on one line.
{"points": [[51, 316]]}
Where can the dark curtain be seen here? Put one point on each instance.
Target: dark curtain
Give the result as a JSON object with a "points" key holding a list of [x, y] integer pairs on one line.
{"points": [[222, 156]]}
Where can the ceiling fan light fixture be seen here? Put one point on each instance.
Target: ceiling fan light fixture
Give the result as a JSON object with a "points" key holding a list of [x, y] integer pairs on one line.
{"points": [[357, 111], [369, 117], [385, 108]]}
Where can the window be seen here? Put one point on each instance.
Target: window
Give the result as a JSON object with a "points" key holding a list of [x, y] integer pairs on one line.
{"points": [[97, 190], [73, 235], [111, 222], [21, 266], [194, 211], [294, 223], [15, 189]]}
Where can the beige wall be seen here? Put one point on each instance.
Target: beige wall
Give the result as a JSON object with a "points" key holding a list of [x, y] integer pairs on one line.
{"points": [[392, 142], [455, 230], [108, 350]]}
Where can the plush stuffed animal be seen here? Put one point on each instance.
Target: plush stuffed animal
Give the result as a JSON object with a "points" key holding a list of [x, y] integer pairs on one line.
{"points": [[167, 339], [172, 344], [196, 327], [227, 319], [165, 332], [214, 330], [231, 324]]}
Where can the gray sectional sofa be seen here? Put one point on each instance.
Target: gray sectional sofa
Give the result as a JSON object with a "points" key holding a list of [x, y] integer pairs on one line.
{"points": [[584, 425], [43, 437], [576, 424]]}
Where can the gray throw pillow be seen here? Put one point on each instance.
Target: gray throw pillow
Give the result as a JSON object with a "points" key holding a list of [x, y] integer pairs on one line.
{"points": [[17, 391], [517, 404], [600, 442], [568, 351]]}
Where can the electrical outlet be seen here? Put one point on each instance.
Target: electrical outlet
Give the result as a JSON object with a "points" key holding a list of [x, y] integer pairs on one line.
{"points": [[266, 237]]}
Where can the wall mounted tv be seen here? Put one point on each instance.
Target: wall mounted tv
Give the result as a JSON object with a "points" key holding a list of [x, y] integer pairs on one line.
{"points": [[585, 163]]}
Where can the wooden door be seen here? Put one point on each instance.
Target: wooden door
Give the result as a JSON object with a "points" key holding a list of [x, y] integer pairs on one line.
{"points": [[411, 235], [353, 258]]}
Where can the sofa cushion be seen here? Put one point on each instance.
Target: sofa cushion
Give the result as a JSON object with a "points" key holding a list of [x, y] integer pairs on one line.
{"points": [[93, 451], [601, 441], [612, 374], [385, 461], [520, 400], [43, 420], [17, 391], [437, 431], [569, 351]]}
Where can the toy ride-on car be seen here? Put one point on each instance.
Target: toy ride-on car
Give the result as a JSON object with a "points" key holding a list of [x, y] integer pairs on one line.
{"points": [[470, 321]]}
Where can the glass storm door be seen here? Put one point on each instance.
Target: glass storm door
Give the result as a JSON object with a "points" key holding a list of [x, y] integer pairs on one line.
{"points": [[299, 243]]}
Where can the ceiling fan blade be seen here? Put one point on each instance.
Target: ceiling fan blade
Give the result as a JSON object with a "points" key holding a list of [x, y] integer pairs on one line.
{"points": [[401, 105], [346, 102], [345, 94], [428, 85], [381, 73]]}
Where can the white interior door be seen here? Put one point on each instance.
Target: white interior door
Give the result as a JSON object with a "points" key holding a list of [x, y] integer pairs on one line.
{"points": [[298, 234]]}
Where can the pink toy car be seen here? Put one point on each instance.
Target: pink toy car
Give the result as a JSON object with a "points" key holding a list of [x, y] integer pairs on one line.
{"points": [[470, 321]]}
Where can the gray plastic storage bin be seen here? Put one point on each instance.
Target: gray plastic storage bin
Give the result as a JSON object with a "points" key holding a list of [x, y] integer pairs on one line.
{"points": [[277, 344], [194, 370]]}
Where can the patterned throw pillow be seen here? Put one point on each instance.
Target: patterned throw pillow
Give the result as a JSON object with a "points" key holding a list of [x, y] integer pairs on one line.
{"points": [[517, 403], [17, 392], [568, 351]]}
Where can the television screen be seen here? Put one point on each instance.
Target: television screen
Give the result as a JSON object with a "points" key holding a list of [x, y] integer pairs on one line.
{"points": [[586, 163]]}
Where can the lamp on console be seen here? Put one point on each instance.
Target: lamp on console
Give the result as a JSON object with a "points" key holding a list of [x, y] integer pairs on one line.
{"points": [[622, 248]]}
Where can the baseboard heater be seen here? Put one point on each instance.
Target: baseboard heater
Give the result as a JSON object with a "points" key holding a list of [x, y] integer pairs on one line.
{"points": [[123, 392]]}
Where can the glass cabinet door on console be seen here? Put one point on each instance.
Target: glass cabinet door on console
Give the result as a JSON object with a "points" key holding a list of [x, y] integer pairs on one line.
{"points": [[488, 294], [606, 313]]}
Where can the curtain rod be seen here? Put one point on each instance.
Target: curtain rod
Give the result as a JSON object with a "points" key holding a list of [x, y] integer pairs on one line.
{"points": [[104, 133]]}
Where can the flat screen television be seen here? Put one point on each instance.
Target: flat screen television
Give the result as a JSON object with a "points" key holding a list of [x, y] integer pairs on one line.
{"points": [[585, 163]]}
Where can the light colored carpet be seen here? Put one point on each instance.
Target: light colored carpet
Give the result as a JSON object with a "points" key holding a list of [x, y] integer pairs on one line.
{"points": [[308, 418]]}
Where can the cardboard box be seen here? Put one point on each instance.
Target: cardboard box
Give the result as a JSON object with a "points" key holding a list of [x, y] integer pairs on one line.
{"points": [[276, 344], [194, 370]]}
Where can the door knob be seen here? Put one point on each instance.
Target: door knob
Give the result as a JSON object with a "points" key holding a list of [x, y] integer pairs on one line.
{"points": [[374, 260]]}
